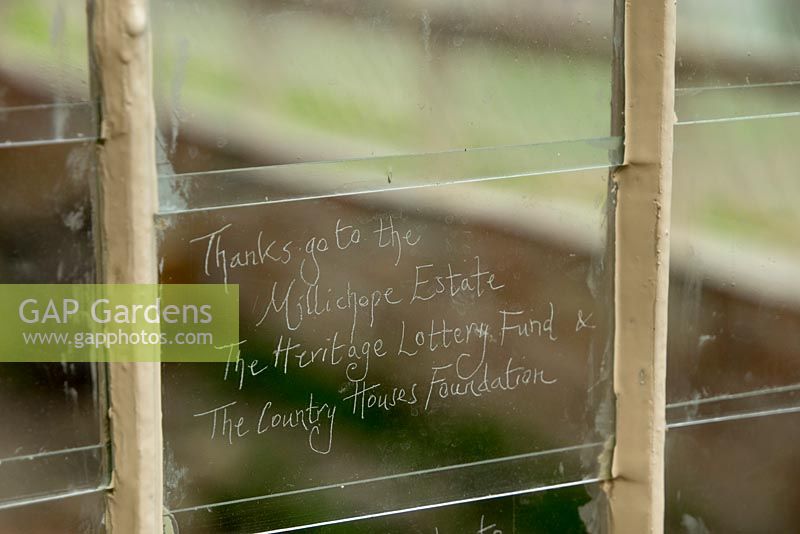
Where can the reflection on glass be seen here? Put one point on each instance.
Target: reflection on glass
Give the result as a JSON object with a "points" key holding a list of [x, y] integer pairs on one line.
{"points": [[290, 81], [399, 348], [735, 296]]}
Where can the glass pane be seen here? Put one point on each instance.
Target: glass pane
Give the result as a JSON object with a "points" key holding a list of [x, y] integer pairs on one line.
{"points": [[51, 435], [80, 514], [570, 510], [741, 62], [280, 183], [446, 343], [735, 476], [47, 123], [734, 336], [288, 81], [43, 52]]}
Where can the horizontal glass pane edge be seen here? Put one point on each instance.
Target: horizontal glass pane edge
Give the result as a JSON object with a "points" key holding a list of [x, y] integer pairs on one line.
{"points": [[550, 487], [737, 118], [691, 90], [51, 475], [701, 105], [733, 417], [303, 181], [607, 143], [439, 470], [47, 124], [46, 108], [734, 396], [55, 496], [50, 142], [734, 406], [551, 469], [43, 454]]}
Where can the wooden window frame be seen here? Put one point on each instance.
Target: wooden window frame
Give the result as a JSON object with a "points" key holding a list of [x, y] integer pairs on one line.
{"points": [[126, 203]]}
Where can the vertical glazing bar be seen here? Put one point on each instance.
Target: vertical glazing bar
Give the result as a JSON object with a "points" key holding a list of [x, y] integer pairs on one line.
{"points": [[642, 268], [125, 205]]}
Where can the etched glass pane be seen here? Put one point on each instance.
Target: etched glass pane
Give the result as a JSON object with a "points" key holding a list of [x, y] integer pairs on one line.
{"points": [[401, 348]]}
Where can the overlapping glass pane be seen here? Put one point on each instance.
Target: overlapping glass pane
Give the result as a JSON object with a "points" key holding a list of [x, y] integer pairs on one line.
{"points": [[737, 60], [734, 300], [51, 436], [570, 509], [279, 82]]}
